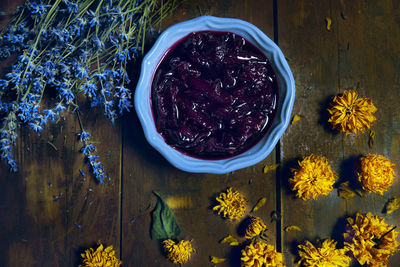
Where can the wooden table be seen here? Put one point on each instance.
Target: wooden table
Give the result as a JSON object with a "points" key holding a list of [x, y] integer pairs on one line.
{"points": [[360, 51]]}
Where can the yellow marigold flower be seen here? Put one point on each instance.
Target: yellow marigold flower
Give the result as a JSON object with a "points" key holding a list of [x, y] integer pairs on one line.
{"points": [[180, 252], [313, 177], [370, 240], [260, 254], [100, 258], [255, 227], [376, 173], [232, 204], [325, 256], [350, 114]]}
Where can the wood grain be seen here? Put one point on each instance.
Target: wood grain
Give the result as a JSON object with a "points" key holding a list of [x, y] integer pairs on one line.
{"points": [[369, 58], [145, 170], [50, 213], [357, 53], [48, 216]]}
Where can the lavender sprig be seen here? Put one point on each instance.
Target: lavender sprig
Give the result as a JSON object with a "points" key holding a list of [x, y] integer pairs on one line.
{"points": [[88, 149], [71, 48]]}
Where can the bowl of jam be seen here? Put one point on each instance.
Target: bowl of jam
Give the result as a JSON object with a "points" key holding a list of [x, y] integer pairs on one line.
{"points": [[214, 95]]}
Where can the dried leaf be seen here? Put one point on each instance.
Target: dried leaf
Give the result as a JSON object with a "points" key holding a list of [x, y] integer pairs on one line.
{"points": [[345, 191], [328, 21], [214, 259], [164, 225], [261, 202], [271, 167], [292, 228], [295, 119], [392, 205], [231, 240], [371, 140]]}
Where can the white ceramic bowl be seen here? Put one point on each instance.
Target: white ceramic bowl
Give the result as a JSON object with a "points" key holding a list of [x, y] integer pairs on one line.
{"points": [[286, 95]]}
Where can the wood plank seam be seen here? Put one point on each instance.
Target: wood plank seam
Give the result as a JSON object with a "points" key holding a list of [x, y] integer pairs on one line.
{"points": [[279, 234], [121, 183]]}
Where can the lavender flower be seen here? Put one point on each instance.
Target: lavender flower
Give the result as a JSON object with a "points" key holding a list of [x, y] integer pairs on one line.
{"points": [[87, 149], [67, 49]]}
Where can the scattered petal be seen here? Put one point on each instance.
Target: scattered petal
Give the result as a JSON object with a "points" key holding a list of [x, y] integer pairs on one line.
{"points": [[216, 260], [392, 205], [328, 21], [295, 119], [345, 191], [77, 225], [271, 167], [292, 228], [261, 202], [371, 140], [231, 240], [359, 192]]}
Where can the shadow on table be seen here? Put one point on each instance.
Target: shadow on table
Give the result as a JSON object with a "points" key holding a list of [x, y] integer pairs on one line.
{"points": [[324, 116], [132, 129], [134, 139], [286, 174]]}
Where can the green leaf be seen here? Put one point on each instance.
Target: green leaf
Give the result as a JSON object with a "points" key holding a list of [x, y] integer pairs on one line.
{"points": [[164, 225]]}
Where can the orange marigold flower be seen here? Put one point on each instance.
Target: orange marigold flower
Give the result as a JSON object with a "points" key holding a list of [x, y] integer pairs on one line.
{"points": [[376, 173], [100, 257], [313, 177], [350, 114], [260, 254], [232, 204], [255, 227], [370, 240], [180, 252], [325, 256]]}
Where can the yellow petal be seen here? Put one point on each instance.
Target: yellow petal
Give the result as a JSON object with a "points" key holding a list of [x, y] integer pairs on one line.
{"points": [[231, 240], [292, 228], [271, 167], [328, 21], [214, 259], [261, 202], [345, 191], [371, 139], [295, 119], [359, 192], [392, 205]]}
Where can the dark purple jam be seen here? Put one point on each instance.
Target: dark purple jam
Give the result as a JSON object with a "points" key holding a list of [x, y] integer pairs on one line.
{"points": [[214, 95]]}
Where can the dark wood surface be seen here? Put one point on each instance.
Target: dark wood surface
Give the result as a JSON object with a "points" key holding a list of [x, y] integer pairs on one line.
{"points": [[361, 51]]}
